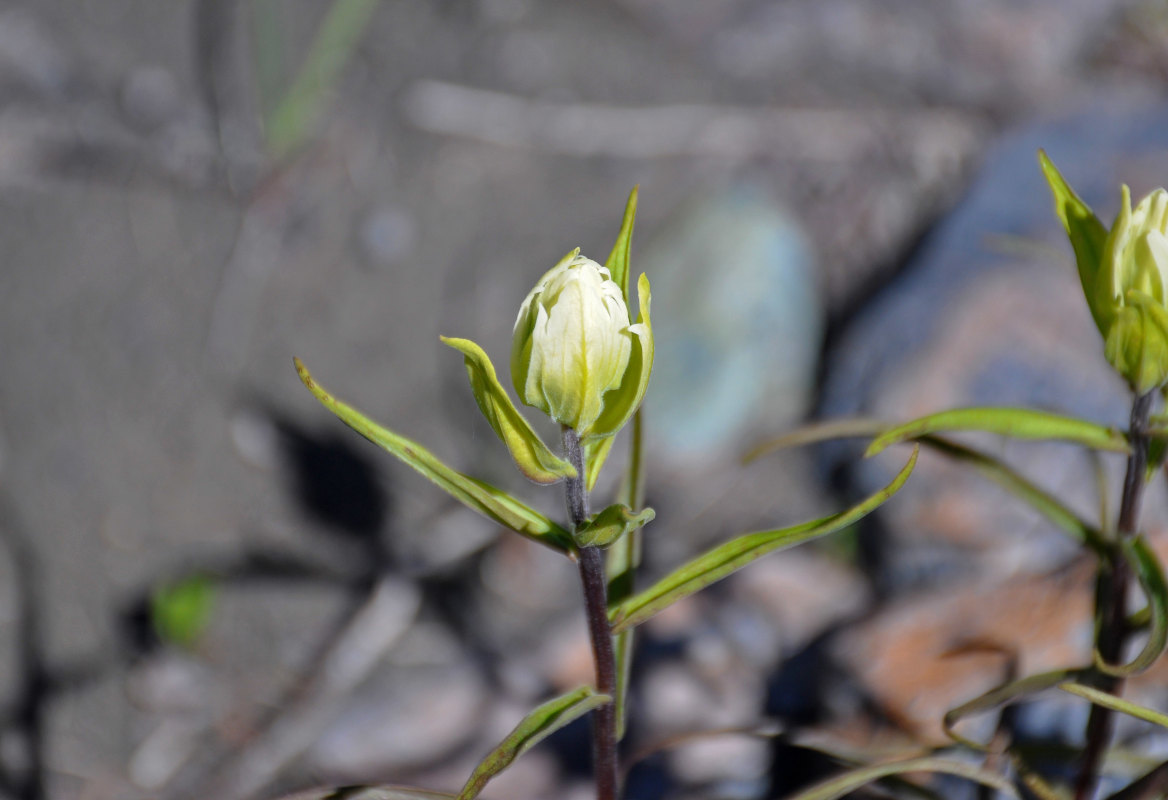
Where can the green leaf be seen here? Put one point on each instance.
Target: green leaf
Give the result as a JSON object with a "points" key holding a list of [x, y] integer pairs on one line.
{"points": [[737, 553], [854, 779], [1108, 700], [989, 467], [626, 398], [1087, 235], [1000, 696], [534, 458], [330, 51], [618, 258], [540, 723], [1037, 498], [1147, 567], [1018, 423], [611, 524], [180, 611], [489, 501]]}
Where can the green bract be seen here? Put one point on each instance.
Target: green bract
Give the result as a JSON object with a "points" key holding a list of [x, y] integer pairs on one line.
{"points": [[576, 355], [1124, 273]]}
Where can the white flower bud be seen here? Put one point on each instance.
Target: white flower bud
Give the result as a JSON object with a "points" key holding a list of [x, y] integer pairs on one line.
{"points": [[571, 343]]}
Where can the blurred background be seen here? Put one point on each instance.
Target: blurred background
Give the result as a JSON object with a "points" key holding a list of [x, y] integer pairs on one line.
{"points": [[210, 588]]}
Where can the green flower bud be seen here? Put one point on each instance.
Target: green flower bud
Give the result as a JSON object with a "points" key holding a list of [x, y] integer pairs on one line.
{"points": [[1133, 275], [1124, 273], [572, 346]]}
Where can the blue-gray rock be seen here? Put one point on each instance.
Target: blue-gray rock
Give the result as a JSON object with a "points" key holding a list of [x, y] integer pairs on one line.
{"points": [[737, 320], [990, 312]]}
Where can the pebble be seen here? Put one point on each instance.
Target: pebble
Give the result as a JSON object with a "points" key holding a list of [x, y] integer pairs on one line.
{"points": [[388, 235], [150, 97], [404, 720], [736, 309], [799, 594]]}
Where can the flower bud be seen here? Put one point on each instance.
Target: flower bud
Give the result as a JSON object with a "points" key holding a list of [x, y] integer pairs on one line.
{"points": [[1133, 274], [572, 344], [1124, 273]]}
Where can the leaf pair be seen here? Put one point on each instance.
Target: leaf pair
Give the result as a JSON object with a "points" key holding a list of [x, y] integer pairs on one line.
{"points": [[1011, 422]]}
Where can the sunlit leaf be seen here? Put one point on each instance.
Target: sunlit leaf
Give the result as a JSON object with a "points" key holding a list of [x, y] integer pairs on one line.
{"points": [[536, 726], [534, 458], [989, 466], [1000, 696], [618, 259], [1108, 700], [1087, 235], [611, 524], [489, 501], [1017, 423], [854, 779], [1147, 567], [737, 553], [1037, 498]]}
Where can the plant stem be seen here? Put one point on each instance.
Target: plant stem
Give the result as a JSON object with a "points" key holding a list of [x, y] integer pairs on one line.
{"points": [[1111, 597], [591, 561]]}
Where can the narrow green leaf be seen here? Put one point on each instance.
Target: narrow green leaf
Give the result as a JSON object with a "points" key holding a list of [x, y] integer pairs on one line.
{"points": [[331, 49], [1037, 498], [618, 259], [540, 723], [624, 401], [990, 467], [854, 779], [737, 553], [1087, 235], [1000, 696], [1018, 423], [489, 501], [611, 524], [1147, 567], [534, 458], [1108, 700]]}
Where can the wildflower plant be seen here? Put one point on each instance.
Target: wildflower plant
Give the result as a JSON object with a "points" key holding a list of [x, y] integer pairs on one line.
{"points": [[1124, 274], [579, 356]]}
